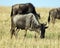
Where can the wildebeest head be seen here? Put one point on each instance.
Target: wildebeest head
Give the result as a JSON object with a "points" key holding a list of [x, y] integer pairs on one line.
{"points": [[42, 29]]}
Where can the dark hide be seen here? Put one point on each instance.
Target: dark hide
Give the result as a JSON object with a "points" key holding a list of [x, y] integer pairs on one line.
{"points": [[24, 9]]}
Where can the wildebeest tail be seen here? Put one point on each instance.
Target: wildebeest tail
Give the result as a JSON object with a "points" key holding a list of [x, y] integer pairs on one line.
{"points": [[11, 12], [49, 18]]}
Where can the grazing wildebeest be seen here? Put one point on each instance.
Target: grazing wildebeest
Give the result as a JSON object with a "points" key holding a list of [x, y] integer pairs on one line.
{"points": [[24, 9], [27, 22], [53, 15]]}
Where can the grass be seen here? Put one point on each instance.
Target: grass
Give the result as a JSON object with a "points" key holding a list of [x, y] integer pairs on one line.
{"points": [[52, 35]]}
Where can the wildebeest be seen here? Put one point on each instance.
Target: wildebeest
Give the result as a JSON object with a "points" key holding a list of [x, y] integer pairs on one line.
{"points": [[24, 9], [27, 22], [53, 15]]}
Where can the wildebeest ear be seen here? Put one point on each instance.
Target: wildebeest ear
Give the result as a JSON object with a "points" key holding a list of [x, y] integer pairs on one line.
{"points": [[38, 14]]}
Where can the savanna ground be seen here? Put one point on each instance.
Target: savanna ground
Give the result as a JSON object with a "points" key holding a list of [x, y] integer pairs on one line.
{"points": [[52, 35]]}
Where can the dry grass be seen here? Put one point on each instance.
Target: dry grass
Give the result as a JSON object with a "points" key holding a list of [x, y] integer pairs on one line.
{"points": [[50, 41]]}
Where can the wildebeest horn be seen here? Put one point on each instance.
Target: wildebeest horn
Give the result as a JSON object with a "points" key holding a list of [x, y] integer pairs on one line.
{"points": [[45, 23], [38, 13]]}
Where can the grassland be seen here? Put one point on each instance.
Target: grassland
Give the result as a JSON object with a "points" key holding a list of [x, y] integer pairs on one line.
{"points": [[52, 35]]}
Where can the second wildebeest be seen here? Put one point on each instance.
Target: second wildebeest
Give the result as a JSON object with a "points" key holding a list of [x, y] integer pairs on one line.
{"points": [[27, 22], [53, 15], [24, 9]]}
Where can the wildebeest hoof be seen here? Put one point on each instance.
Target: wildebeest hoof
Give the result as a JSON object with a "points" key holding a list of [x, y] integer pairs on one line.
{"points": [[42, 37], [35, 36], [25, 35]]}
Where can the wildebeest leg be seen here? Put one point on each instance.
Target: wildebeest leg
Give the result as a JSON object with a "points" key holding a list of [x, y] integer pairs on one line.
{"points": [[37, 32], [25, 33], [12, 30], [12, 27], [27, 25], [12, 33], [16, 33], [11, 23], [35, 35], [53, 20]]}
